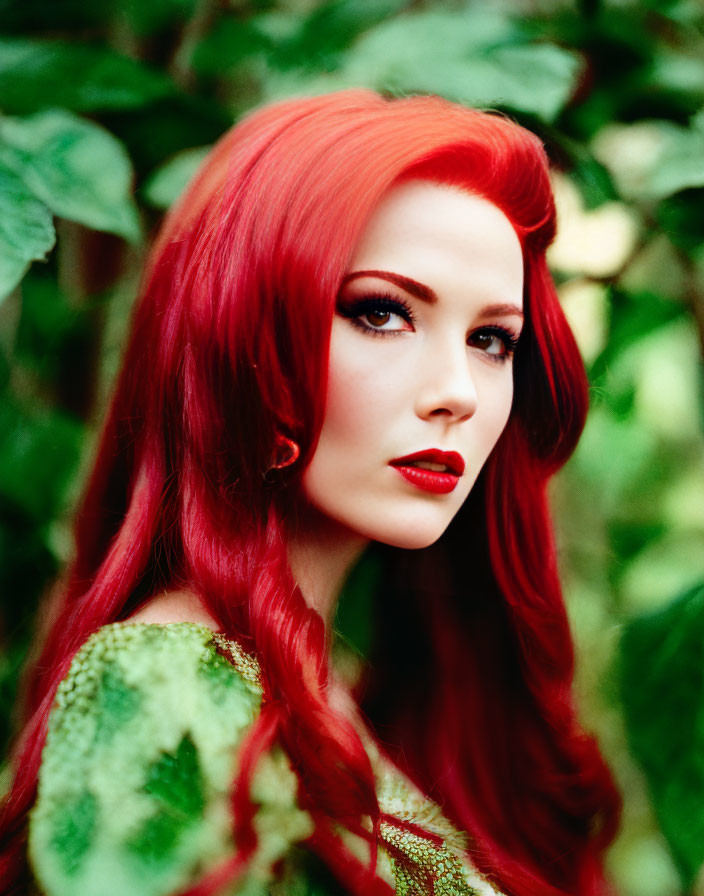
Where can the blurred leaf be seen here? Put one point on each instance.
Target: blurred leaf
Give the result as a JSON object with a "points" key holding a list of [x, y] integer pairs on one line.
{"points": [[290, 40], [680, 216], [50, 327], [627, 536], [35, 74], [677, 71], [476, 56], [592, 178], [26, 229], [633, 316], [167, 183], [594, 243], [330, 29], [230, 41], [76, 167], [681, 164], [664, 567], [38, 455], [611, 457], [148, 16], [662, 687], [154, 134], [653, 159], [354, 612]]}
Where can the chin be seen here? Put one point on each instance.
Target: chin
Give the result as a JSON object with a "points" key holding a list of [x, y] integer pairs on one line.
{"points": [[410, 544], [409, 536]]}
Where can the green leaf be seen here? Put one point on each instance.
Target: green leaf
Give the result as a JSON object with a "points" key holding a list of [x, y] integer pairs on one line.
{"points": [[230, 41], [50, 326], [318, 38], [157, 837], [654, 159], [38, 456], [35, 74], [26, 229], [77, 168], [677, 71], [176, 780], [117, 702], [633, 316], [74, 826], [662, 686], [167, 183], [476, 56], [681, 163], [149, 16]]}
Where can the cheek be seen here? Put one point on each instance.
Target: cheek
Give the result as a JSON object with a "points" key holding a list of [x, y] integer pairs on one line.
{"points": [[495, 410], [360, 396]]}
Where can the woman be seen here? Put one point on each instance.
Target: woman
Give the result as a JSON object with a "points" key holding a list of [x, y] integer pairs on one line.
{"points": [[347, 344]]}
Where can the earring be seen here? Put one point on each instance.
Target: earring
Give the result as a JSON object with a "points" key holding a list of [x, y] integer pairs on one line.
{"points": [[286, 453]]}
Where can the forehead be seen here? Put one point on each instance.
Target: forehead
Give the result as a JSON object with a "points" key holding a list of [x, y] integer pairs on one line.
{"points": [[436, 233]]}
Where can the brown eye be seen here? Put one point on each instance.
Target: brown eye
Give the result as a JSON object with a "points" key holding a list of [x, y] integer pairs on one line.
{"points": [[497, 343], [378, 318], [488, 341], [374, 314], [484, 340]]}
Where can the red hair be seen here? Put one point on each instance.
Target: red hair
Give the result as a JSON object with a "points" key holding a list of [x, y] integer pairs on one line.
{"points": [[472, 683]]}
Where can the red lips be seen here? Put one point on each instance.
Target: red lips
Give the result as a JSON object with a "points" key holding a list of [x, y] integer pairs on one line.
{"points": [[440, 483], [451, 459]]}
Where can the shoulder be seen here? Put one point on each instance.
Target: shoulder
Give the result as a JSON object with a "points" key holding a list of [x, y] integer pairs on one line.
{"points": [[135, 775]]}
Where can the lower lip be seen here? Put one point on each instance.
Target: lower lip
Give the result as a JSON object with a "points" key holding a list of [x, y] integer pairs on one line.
{"points": [[429, 480]]}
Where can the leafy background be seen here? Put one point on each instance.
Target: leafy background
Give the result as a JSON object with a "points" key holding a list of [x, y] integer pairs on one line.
{"points": [[107, 109]]}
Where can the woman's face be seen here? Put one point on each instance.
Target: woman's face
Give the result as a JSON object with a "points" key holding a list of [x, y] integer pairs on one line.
{"points": [[420, 359]]}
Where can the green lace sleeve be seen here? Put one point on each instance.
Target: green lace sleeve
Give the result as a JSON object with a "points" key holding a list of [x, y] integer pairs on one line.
{"points": [[132, 796]]}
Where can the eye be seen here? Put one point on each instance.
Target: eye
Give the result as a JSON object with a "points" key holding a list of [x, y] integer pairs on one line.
{"points": [[379, 315], [497, 342]]}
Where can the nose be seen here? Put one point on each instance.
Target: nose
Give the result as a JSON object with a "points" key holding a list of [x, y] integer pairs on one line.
{"points": [[447, 385]]}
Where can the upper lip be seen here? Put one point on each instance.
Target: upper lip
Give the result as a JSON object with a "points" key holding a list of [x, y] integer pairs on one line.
{"points": [[451, 459]]}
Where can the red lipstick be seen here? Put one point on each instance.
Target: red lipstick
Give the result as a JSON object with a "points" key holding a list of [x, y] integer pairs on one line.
{"points": [[439, 482]]}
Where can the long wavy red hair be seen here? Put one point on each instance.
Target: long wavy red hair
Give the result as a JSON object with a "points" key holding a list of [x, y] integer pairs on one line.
{"points": [[471, 682]]}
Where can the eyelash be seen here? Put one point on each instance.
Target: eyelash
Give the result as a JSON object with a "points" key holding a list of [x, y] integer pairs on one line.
{"points": [[386, 302]]}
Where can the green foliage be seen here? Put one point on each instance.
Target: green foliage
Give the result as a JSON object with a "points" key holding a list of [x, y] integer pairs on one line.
{"points": [[164, 186], [40, 449], [79, 170], [474, 55], [26, 228], [147, 18], [74, 829], [633, 316], [662, 686], [176, 780], [35, 74]]}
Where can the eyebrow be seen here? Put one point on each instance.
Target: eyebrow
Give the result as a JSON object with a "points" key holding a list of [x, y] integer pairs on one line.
{"points": [[426, 294]]}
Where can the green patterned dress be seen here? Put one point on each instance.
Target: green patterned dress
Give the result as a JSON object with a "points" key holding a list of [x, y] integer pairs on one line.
{"points": [[133, 787]]}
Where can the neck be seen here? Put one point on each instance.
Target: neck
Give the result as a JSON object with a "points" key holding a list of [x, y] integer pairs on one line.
{"points": [[321, 553]]}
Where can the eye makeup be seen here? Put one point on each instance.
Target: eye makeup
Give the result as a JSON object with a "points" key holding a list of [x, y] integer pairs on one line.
{"points": [[507, 337], [388, 304], [379, 303]]}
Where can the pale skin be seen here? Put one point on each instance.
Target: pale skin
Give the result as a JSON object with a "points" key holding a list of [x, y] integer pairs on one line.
{"points": [[440, 380]]}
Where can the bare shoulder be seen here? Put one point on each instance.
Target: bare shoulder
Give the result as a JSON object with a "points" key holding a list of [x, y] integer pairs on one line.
{"points": [[174, 606]]}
